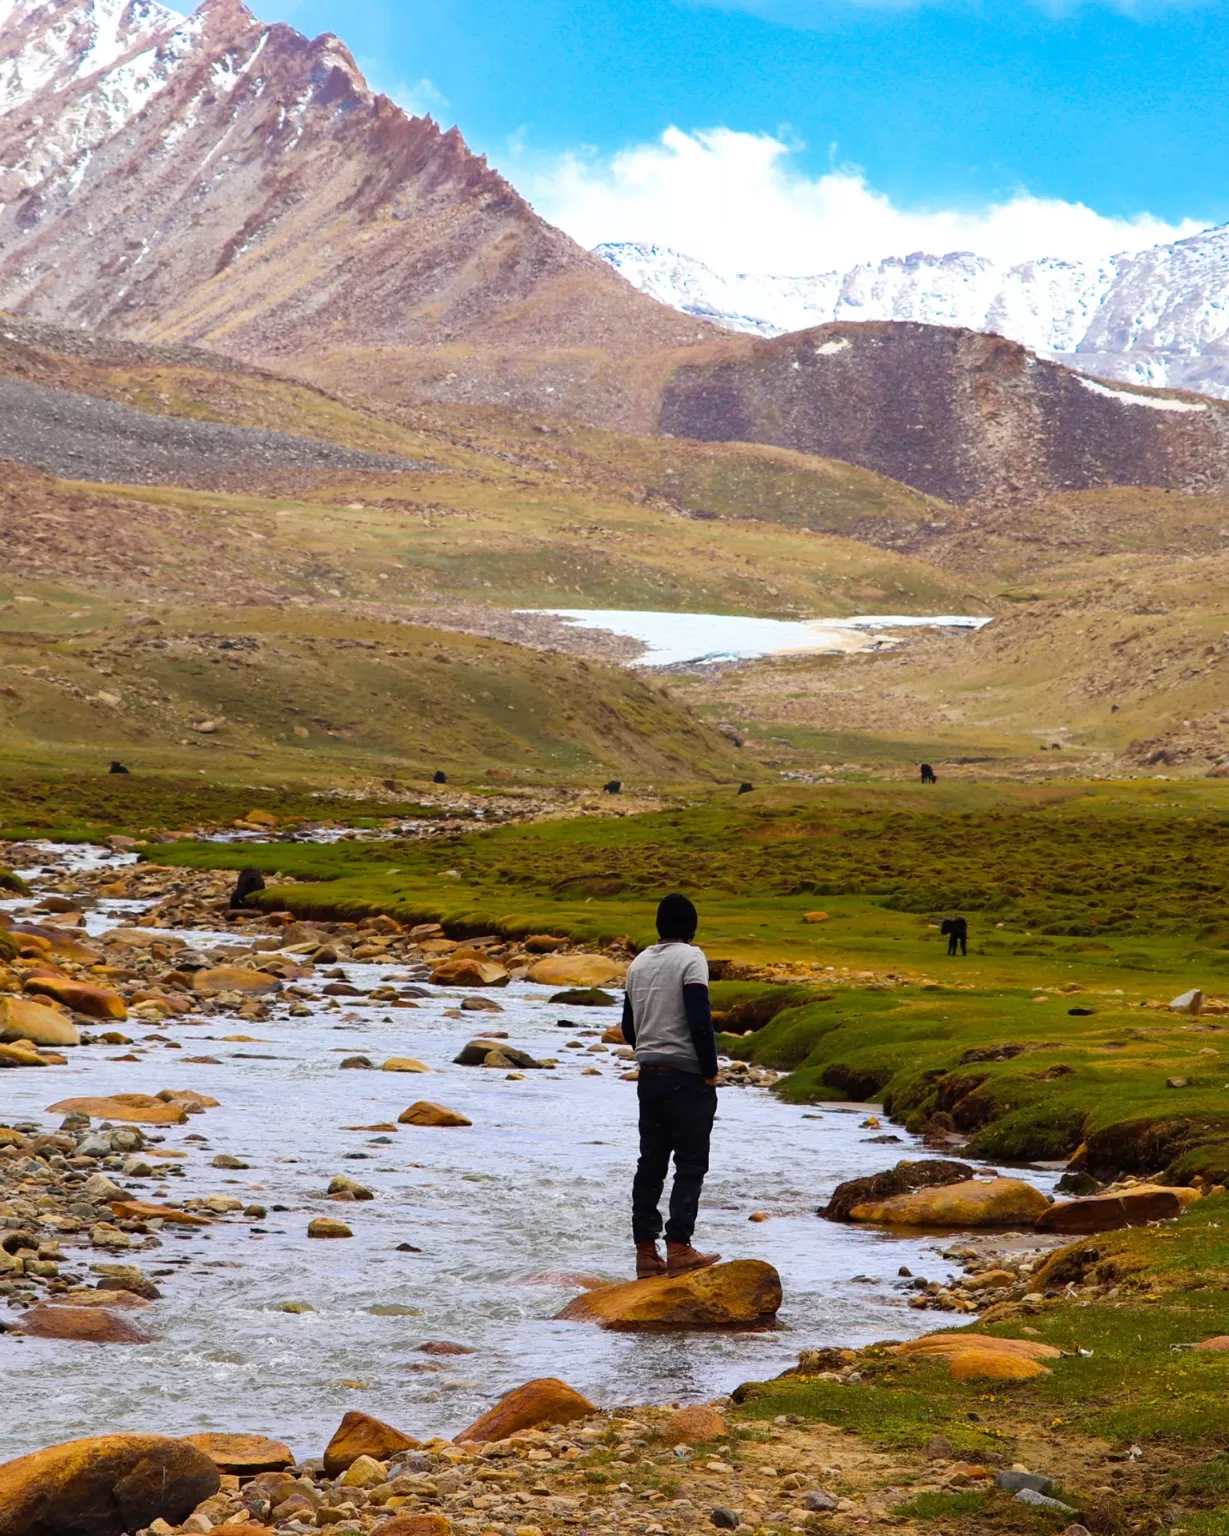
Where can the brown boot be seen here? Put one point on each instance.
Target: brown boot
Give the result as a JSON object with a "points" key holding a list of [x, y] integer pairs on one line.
{"points": [[682, 1258], [649, 1263]]}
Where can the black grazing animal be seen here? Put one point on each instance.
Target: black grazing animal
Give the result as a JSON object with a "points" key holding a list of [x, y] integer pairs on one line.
{"points": [[745, 789], [249, 882], [957, 931], [117, 768], [615, 787], [928, 774], [439, 777]]}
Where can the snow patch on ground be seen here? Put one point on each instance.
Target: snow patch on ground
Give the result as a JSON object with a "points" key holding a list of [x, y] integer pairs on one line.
{"points": [[1151, 402]]}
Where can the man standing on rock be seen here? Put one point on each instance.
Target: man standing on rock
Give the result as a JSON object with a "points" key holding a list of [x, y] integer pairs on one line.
{"points": [[668, 1019]]}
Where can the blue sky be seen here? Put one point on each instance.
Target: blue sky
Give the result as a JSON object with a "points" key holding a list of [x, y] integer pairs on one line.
{"points": [[858, 122]]}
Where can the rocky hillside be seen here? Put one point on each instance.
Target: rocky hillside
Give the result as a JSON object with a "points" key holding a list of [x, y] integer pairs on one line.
{"points": [[219, 181], [954, 413]]}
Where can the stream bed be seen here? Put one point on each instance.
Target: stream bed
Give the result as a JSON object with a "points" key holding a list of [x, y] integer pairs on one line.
{"points": [[500, 1213]]}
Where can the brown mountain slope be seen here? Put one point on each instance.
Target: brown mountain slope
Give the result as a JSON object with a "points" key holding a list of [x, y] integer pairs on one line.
{"points": [[219, 181], [955, 413]]}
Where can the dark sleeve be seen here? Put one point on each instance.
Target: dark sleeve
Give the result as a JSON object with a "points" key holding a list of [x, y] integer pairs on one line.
{"points": [[629, 1023], [700, 1022]]}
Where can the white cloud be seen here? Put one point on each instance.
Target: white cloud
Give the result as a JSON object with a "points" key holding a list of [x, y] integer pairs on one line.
{"points": [[736, 201]]}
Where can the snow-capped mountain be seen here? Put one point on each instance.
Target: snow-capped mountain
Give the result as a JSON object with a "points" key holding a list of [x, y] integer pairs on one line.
{"points": [[215, 180], [1159, 318]]}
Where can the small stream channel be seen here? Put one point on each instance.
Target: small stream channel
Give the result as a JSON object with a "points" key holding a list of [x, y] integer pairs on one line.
{"points": [[539, 1184]]}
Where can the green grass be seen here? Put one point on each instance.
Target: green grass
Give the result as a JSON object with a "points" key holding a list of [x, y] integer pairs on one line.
{"points": [[1136, 865], [944, 1506]]}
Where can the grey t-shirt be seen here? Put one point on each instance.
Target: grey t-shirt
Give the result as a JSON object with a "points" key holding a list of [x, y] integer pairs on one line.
{"points": [[655, 982]]}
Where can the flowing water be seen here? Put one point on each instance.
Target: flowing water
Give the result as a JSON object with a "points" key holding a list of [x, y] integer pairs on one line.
{"points": [[539, 1184]]}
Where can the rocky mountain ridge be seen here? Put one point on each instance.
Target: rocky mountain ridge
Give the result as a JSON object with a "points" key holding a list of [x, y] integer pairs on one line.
{"points": [[1159, 318], [218, 181]]}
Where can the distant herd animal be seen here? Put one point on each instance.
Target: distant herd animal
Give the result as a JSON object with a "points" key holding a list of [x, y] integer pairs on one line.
{"points": [[956, 931], [928, 774], [117, 768], [614, 787], [439, 777], [249, 882]]}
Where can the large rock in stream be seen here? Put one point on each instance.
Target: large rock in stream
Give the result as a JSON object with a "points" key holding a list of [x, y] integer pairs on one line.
{"points": [[104, 1486], [972, 1203], [901, 1180], [743, 1294], [22, 1018]]}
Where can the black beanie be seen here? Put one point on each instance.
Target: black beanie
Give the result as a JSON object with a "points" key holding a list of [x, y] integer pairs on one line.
{"points": [[677, 918]]}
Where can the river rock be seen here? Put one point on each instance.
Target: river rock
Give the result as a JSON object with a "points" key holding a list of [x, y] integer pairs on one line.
{"points": [[544, 1401], [104, 1486], [469, 972], [694, 1426], [21, 1018], [1188, 1002], [425, 1113], [972, 1203], [475, 1054], [19, 1054], [480, 1005], [1108, 1213], [234, 978], [577, 971], [328, 1226], [364, 1472], [136, 1108], [404, 1064], [80, 996], [359, 1434], [243, 1455], [88, 1325], [741, 1294], [584, 997], [901, 1180], [141, 1210], [340, 1185], [429, 1523]]}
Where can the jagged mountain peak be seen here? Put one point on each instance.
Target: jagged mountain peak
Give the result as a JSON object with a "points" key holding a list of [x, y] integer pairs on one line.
{"points": [[216, 180]]}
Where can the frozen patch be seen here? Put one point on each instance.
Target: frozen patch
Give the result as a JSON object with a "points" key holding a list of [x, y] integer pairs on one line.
{"points": [[1150, 401], [831, 348]]}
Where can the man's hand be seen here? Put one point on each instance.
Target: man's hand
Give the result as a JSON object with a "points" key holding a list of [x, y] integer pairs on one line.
{"points": [[710, 1082]]}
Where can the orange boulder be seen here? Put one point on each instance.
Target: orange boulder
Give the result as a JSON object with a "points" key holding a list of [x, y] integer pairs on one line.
{"points": [[80, 996], [427, 1524], [359, 1434], [545, 1401], [104, 1486], [135, 1108], [89, 1325], [425, 1113], [234, 978], [693, 1426], [469, 971], [243, 1455], [742, 1294]]}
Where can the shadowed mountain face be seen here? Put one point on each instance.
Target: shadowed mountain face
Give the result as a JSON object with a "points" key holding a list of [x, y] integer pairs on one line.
{"points": [[955, 413], [219, 181]]}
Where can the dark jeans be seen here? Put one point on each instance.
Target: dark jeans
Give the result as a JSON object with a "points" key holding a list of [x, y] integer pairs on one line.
{"points": [[676, 1116]]}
